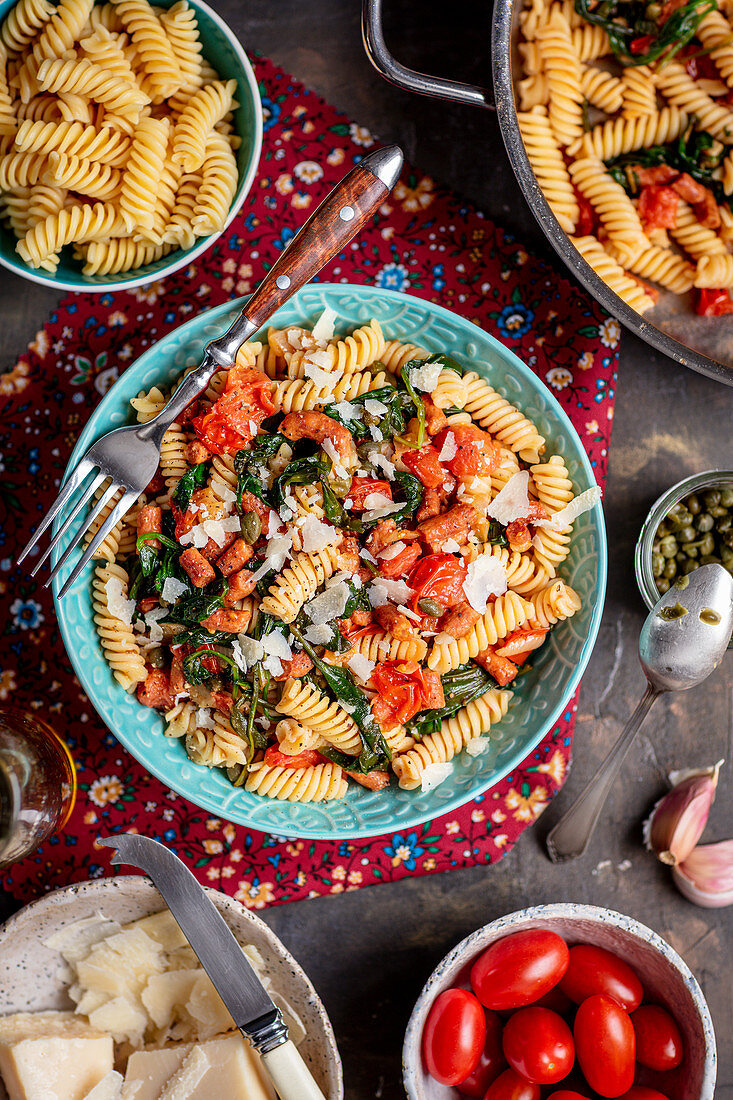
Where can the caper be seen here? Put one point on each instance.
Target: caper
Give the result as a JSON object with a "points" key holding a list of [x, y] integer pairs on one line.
{"points": [[686, 516], [156, 657], [712, 498], [687, 534], [340, 485], [704, 522], [693, 504], [658, 564], [670, 569], [718, 511], [724, 523], [653, 11], [706, 544], [690, 566], [726, 497], [709, 559], [215, 684], [690, 549], [727, 538], [430, 607], [676, 509], [663, 529], [726, 555], [251, 527], [668, 546], [662, 584], [673, 524]]}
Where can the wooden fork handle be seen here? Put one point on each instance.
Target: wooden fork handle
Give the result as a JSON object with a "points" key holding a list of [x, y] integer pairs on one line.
{"points": [[341, 215]]}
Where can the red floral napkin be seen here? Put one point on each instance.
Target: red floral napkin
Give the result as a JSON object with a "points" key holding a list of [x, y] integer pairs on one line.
{"points": [[427, 242]]}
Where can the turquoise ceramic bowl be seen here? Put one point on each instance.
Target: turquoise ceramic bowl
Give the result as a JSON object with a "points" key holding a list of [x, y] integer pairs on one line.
{"points": [[543, 693], [223, 49]]}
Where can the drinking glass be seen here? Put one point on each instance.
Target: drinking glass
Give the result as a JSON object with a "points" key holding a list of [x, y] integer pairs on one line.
{"points": [[37, 783]]}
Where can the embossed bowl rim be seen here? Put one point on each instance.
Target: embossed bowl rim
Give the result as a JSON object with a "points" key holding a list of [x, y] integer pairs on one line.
{"points": [[287, 819], [109, 895], [248, 95], [561, 917]]}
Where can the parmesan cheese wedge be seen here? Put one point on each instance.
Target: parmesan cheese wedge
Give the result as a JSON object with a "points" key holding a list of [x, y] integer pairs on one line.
{"points": [[52, 1056]]}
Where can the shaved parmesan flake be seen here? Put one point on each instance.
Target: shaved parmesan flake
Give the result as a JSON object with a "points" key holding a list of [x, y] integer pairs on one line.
{"points": [[318, 535], [278, 549], [324, 327], [376, 433], [196, 537], [449, 449], [367, 555], [486, 577], [425, 378], [409, 612], [349, 411], [214, 530], [204, 719], [318, 635], [512, 502], [567, 515], [378, 505], [273, 523], [338, 467], [383, 588], [375, 407], [434, 775], [122, 608], [329, 605], [451, 546], [324, 380], [348, 578], [477, 746], [393, 550], [276, 644], [361, 666], [172, 589], [381, 462], [151, 618]]}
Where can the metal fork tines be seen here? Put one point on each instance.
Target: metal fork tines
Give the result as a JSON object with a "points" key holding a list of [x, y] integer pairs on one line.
{"points": [[105, 462]]}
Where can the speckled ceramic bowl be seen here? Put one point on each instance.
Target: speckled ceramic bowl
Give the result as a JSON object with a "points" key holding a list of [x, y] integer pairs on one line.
{"points": [[544, 692], [665, 976], [34, 977]]}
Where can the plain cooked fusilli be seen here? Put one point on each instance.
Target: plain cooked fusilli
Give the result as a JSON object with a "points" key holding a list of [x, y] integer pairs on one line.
{"points": [[499, 417], [318, 783], [315, 710], [503, 616], [298, 582], [118, 641], [548, 166], [564, 77]]}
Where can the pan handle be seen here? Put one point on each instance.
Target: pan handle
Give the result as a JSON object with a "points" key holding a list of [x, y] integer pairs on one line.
{"points": [[410, 79]]}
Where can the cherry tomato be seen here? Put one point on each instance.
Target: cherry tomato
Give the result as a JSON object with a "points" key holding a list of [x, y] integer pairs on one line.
{"points": [[362, 487], [403, 693], [605, 1045], [518, 969], [714, 303], [510, 1086], [641, 1092], [454, 1036], [557, 1001], [595, 970], [491, 1060], [306, 759], [566, 1094], [539, 1045], [658, 1039], [425, 465], [475, 451], [439, 577]]}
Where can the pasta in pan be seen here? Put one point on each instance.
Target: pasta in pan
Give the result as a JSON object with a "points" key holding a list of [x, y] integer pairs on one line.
{"points": [[628, 125], [326, 586], [112, 103]]}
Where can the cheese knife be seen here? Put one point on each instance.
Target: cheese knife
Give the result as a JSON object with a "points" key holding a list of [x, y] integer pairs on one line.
{"points": [[238, 985]]}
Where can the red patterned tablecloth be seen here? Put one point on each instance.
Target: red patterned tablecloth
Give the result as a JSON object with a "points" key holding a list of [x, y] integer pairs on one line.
{"points": [[425, 241]]}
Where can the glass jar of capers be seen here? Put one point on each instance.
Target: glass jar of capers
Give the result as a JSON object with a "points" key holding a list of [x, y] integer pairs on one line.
{"points": [[688, 526]]}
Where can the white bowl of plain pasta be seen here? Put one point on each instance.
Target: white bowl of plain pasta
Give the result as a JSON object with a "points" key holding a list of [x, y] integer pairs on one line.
{"points": [[99, 975], [129, 138], [370, 603]]}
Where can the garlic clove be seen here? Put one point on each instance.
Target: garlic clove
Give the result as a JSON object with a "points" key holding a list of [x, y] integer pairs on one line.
{"points": [[677, 821], [706, 876]]}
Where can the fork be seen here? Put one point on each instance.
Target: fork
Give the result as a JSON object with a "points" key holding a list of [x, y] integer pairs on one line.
{"points": [[129, 456]]}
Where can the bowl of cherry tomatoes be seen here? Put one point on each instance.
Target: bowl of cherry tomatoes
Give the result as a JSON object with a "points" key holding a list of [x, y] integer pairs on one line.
{"points": [[561, 1002]]}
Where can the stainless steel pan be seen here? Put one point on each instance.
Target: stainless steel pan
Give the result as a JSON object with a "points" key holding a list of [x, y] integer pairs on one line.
{"points": [[703, 344]]}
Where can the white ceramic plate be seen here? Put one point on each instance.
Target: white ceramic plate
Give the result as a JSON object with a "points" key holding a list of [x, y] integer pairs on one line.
{"points": [[33, 975]]}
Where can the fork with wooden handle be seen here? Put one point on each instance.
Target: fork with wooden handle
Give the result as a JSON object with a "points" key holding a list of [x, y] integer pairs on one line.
{"points": [[129, 456]]}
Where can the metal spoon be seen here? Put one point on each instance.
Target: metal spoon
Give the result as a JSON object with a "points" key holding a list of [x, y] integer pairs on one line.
{"points": [[683, 639]]}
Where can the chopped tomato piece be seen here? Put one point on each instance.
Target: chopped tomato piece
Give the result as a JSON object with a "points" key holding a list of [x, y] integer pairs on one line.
{"points": [[501, 668], [177, 681], [660, 173], [156, 690], [223, 700], [707, 211], [401, 563], [520, 643], [714, 303], [587, 219], [518, 536], [306, 759], [476, 452], [688, 188], [404, 689], [698, 65], [439, 577], [641, 44], [373, 781], [658, 207], [425, 465], [235, 418], [362, 487]]}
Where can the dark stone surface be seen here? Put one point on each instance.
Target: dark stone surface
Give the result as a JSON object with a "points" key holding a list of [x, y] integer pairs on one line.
{"points": [[369, 952]]}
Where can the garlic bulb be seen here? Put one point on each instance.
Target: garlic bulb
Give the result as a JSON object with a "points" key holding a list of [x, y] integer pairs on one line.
{"points": [[705, 877], [677, 821]]}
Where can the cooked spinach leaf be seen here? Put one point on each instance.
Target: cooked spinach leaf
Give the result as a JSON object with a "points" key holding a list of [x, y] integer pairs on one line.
{"points": [[193, 479], [460, 687]]}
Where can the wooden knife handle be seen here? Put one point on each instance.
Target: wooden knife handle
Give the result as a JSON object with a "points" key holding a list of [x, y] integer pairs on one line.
{"points": [[341, 216], [290, 1075]]}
